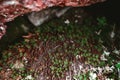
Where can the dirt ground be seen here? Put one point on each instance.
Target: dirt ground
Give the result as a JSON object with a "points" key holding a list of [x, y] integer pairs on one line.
{"points": [[76, 46]]}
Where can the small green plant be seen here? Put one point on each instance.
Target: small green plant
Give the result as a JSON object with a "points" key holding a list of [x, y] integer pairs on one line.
{"points": [[102, 21], [90, 58], [23, 72], [59, 66], [6, 56], [118, 68], [118, 65], [81, 76]]}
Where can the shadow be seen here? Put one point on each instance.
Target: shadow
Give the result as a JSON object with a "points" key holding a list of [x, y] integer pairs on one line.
{"points": [[109, 9]]}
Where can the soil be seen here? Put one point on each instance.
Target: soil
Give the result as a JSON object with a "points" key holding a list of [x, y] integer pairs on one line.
{"points": [[66, 48]]}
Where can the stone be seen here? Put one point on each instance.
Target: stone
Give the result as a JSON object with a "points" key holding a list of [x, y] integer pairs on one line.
{"points": [[10, 9]]}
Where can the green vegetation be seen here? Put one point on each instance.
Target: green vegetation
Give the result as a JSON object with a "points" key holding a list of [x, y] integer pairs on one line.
{"points": [[118, 65], [59, 66], [56, 46], [81, 76]]}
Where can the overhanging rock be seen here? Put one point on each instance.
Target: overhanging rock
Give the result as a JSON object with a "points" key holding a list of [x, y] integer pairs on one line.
{"points": [[10, 9]]}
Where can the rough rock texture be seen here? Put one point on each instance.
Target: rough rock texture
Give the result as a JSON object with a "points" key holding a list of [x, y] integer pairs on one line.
{"points": [[38, 18], [10, 9]]}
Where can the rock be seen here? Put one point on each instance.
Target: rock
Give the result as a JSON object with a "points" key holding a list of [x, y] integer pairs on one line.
{"points": [[37, 18], [10, 9]]}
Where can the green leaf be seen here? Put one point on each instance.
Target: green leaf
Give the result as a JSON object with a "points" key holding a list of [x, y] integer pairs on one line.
{"points": [[118, 65], [1, 68]]}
